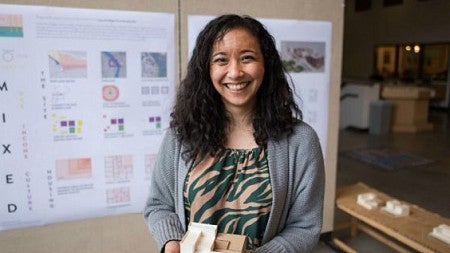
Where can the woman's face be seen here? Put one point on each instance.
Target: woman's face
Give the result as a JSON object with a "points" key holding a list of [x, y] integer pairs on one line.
{"points": [[237, 69]]}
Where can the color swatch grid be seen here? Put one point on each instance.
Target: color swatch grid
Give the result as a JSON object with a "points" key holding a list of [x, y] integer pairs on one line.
{"points": [[65, 126], [154, 90], [156, 121], [120, 124], [114, 124], [71, 126], [11, 25]]}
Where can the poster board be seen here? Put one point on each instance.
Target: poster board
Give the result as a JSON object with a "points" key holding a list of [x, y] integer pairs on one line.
{"points": [[84, 110]]}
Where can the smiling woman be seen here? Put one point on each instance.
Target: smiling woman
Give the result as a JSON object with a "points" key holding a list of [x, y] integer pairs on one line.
{"points": [[238, 154], [237, 70]]}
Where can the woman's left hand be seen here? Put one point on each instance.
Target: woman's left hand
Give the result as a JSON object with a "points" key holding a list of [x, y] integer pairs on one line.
{"points": [[172, 247]]}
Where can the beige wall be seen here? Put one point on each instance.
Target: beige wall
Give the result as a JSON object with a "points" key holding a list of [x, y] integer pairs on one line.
{"points": [[113, 234], [412, 21], [116, 233]]}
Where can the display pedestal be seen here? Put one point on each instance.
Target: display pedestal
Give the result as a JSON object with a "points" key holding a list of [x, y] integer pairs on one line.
{"points": [[410, 108]]}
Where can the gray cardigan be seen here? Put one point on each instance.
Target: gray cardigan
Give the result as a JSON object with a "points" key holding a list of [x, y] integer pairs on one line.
{"points": [[297, 177]]}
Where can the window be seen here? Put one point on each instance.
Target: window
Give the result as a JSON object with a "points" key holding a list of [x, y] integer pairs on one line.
{"points": [[412, 62], [385, 58]]}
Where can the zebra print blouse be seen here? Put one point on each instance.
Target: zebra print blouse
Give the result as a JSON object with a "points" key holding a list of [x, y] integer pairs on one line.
{"points": [[233, 192]]}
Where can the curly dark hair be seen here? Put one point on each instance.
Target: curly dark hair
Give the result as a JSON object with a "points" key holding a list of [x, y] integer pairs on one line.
{"points": [[199, 115]]}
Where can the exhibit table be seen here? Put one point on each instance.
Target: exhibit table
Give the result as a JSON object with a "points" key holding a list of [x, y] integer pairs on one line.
{"points": [[412, 230]]}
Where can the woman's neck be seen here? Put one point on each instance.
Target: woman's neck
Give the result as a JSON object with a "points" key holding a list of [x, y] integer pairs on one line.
{"points": [[240, 130], [240, 117]]}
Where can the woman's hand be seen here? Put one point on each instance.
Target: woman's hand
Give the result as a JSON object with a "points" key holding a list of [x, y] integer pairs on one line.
{"points": [[172, 247]]}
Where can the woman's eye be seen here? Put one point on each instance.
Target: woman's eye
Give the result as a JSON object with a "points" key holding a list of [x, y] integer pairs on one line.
{"points": [[220, 60], [247, 58]]}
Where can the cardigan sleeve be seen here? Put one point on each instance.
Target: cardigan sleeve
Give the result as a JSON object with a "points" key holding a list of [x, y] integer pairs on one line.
{"points": [[159, 212], [300, 228]]}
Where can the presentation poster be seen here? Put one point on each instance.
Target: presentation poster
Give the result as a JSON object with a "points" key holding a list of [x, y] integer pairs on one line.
{"points": [[85, 97], [304, 47]]}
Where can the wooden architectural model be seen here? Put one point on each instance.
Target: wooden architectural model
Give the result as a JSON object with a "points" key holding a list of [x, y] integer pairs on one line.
{"points": [[203, 238]]}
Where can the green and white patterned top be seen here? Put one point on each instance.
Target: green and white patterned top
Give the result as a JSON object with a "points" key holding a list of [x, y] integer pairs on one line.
{"points": [[232, 191]]}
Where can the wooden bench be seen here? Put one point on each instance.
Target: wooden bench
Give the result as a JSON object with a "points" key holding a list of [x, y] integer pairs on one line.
{"points": [[396, 232]]}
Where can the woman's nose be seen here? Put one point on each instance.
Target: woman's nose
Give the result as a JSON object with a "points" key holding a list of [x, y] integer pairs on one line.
{"points": [[235, 69]]}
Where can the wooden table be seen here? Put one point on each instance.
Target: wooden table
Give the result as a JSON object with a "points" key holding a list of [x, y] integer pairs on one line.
{"points": [[412, 230]]}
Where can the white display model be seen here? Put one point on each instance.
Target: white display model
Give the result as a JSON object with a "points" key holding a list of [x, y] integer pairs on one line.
{"points": [[396, 208], [367, 200], [441, 232], [199, 238]]}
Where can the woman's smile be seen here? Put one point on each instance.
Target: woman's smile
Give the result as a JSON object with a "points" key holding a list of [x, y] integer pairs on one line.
{"points": [[236, 87]]}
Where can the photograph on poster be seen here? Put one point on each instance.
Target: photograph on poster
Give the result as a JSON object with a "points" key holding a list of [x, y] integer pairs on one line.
{"points": [[300, 56], [114, 65], [67, 64], [154, 64]]}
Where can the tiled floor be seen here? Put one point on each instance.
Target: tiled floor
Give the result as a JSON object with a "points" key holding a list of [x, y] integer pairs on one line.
{"points": [[427, 186]]}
